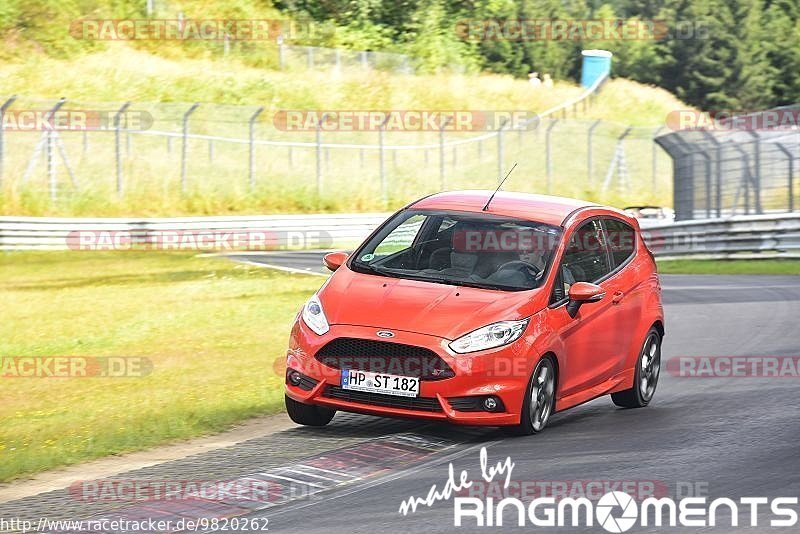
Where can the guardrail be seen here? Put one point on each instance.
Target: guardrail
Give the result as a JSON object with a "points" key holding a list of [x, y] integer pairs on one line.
{"points": [[756, 236], [183, 233], [745, 237]]}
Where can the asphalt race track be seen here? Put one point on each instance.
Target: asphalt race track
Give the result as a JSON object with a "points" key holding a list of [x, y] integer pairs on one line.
{"points": [[725, 437], [718, 437]]}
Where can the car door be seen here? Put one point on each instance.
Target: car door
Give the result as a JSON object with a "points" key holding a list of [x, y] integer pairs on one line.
{"points": [[624, 286], [589, 341]]}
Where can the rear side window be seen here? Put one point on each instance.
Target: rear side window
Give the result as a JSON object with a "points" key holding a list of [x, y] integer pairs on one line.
{"points": [[621, 239]]}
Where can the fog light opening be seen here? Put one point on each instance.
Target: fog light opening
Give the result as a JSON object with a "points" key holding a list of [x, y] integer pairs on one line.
{"points": [[294, 377], [490, 404]]}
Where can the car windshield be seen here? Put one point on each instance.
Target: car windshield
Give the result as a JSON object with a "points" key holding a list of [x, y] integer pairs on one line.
{"points": [[457, 248]]}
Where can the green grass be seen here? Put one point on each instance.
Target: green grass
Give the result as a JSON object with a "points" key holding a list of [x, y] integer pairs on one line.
{"points": [[773, 266], [213, 330]]}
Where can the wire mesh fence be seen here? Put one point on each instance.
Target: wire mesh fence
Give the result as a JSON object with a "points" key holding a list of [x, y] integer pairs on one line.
{"points": [[189, 158], [311, 57], [742, 168]]}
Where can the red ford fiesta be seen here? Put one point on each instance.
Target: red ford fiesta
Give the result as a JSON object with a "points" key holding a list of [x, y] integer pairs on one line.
{"points": [[482, 310]]}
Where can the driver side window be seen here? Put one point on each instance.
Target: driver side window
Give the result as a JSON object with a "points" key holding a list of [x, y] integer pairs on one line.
{"points": [[584, 260]]}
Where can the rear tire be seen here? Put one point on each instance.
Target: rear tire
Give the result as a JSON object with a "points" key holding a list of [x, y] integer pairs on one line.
{"points": [[645, 379], [540, 400], [308, 414]]}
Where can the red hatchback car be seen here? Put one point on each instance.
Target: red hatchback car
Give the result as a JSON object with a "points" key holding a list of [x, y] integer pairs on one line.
{"points": [[482, 314]]}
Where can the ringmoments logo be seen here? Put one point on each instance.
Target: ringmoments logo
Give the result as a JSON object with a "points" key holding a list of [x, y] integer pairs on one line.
{"points": [[615, 511]]}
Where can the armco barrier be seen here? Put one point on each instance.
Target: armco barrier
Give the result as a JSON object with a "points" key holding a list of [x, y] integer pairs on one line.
{"points": [[284, 231], [746, 237], [759, 236]]}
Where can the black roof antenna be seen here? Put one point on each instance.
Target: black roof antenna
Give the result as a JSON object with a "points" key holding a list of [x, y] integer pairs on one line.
{"points": [[486, 207]]}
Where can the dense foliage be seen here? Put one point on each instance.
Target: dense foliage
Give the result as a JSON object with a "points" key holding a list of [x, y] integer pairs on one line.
{"points": [[716, 54]]}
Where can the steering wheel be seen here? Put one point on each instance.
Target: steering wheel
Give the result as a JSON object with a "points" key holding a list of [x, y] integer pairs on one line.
{"points": [[528, 269]]}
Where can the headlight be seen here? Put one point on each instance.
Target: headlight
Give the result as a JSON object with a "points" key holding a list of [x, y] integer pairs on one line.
{"points": [[490, 336], [314, 317]]}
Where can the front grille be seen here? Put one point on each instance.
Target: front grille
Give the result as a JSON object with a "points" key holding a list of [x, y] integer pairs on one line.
{"points": [[384, 357], [424, 404]]}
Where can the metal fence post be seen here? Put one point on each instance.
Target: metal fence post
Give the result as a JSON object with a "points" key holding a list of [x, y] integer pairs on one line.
{"points": [[745, 182], [757, 173], [718, 174], [500, 155], [548, 153], [381, 162], [3, 109], [790, 160], [185, 145], [50, 149], [117, 149], [319, 153], [251, 177], [654, 161], [441, 152], [707, 159], [590, 152]]}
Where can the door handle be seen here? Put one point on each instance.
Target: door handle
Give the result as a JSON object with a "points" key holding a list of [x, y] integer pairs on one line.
{"points": [[617, 298]]}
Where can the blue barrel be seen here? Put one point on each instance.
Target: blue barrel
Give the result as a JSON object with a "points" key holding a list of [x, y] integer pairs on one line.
{"points": [[596, 64]]}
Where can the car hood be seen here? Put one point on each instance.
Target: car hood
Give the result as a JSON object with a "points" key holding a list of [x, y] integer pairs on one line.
{"points": [[441, 310]]}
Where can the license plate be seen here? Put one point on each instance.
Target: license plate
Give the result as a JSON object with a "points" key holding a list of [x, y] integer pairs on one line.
{"points": [[400, 386]]}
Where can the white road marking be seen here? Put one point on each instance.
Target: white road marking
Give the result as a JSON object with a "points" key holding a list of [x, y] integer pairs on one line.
{"points": [[281, 268], [337, 473], [705, 288], [302, 482], [390, 477]]}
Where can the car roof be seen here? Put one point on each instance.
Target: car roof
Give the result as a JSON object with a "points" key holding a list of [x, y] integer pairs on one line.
{"points": [[541, 208]]}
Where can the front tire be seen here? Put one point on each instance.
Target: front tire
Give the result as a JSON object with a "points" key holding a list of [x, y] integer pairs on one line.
{"points": [[540, 399], [308, 414], [645, 379]]}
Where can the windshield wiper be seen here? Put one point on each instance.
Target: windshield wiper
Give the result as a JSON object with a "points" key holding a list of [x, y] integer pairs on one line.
{"points": [[376, 269], [456, 282]]}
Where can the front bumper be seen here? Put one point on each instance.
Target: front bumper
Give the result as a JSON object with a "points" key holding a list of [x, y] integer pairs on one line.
{"points": [[502, 372]]}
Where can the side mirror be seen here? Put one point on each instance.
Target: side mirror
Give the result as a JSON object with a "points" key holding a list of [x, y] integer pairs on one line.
{"points": [[582, 292], [334, 260]]}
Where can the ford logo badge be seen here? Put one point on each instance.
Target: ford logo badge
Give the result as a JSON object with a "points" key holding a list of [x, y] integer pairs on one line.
{"points": [[385, 333]]}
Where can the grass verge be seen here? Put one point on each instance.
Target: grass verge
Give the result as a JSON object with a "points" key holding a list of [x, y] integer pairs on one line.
{"points": [[211, 328], [217, 177], [774, 266]]}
